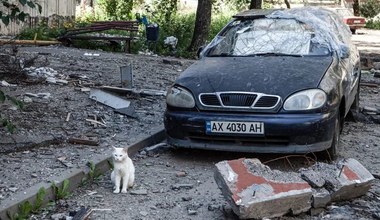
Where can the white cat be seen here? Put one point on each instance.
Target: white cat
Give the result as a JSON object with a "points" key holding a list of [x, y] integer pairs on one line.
{"points": [[123, 173]]}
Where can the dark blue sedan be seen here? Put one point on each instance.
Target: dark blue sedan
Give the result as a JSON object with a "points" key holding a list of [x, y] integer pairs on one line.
{"points": [[272, 81]]}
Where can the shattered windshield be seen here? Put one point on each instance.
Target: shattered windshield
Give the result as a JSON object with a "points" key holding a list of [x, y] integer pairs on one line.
{"points": [[267, 36]]}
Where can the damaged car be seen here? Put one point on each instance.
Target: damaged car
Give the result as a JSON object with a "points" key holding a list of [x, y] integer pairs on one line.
{"points": [[272, 81]]}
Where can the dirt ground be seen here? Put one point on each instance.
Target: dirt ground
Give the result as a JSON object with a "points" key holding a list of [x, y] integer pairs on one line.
{"points": [[170, 184]]}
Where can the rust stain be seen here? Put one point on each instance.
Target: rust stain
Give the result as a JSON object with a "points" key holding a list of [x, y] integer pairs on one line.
{"points": [[246, 179], [351, 175]]}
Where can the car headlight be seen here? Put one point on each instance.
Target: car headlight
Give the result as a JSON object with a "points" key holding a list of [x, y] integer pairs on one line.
{"points": [[305, 100], [180, 97]]}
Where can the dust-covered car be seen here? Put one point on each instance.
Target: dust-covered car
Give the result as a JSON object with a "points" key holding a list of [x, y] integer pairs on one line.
{"points": [[272, 81], [353, 22]]}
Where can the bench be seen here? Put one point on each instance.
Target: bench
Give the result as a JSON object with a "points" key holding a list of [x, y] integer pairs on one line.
{"points": [[132, 27]]}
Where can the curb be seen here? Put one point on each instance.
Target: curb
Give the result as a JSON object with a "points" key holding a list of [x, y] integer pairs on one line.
{"points": [[74, 176]]}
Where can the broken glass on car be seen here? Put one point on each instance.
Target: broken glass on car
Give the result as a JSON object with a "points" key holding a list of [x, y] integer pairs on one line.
{"points": [[267, 36]]}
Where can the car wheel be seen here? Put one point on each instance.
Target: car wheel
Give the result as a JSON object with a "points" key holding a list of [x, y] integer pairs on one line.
{"points": [[332, 151], [353, 31], [355, 109]]}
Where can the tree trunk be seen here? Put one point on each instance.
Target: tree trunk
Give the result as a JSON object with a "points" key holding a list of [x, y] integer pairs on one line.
{"points": [[287, 3], [255, 4], [202, 25], [356, 7]]}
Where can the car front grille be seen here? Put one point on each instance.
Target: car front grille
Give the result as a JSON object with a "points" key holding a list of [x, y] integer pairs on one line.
{"points": [[239, 100]]}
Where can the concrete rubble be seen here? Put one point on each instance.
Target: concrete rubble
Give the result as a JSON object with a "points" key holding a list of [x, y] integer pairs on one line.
{"points": [[255, 191]]}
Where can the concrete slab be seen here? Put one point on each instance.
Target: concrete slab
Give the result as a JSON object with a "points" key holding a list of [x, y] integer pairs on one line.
{"points": [[344, 180], [255, 191]]}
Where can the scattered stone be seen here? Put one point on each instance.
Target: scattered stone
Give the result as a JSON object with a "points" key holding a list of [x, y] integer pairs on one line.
{"points": [[182, 186], [181, 174], [321, 197], [188, 198], [139, 192], [56, 81], [376, 215], [172, 62], [143, 152], [26, 99], [255, 191], [376, 73], [158, 148], [375, 119], [212, 207], [316, 211], [376, 66], [6, 84], [369, 110], [59, 216], [98, 196], [312, 177], [34, 175], [148, 164], [143, 213], [13, 189], [153, 207], [44, 95], [345, 180], [192, 212]]}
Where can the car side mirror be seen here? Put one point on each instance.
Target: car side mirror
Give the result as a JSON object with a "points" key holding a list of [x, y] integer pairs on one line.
{"points": [[199, 52], [344, 51]]}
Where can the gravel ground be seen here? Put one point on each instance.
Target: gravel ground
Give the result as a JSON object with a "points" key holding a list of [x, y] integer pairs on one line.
{"points": [[170, 184]]}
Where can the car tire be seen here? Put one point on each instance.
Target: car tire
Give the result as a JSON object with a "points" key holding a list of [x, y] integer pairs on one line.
{"points": [[353, 114], [331, 153], [353, 31]]}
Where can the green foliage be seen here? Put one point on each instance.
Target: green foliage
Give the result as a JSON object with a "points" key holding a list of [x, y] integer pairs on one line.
{"points": [[2, 96], [39, 200], [6, 122], [163, 10], [117, 9], [181, 27], [370, 8], [63, 191], [13, 12], [93, 175], [217, 23], [371, 24], [26, 208], [41, 32]]}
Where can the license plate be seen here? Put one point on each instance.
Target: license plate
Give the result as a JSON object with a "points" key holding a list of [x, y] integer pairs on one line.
{"points": [[357, 22], [234, 127]]}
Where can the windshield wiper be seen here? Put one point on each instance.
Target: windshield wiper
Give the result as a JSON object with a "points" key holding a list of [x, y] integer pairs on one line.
{"points": [[276, 54]]}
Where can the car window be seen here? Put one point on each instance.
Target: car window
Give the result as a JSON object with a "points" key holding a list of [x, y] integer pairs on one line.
{"points": [[344, 12], [267, 35]]}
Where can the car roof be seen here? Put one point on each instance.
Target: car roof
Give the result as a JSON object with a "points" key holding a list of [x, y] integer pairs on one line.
{"points": [[255, 13]]}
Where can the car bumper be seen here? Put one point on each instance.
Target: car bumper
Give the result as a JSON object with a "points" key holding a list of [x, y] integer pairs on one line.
{"points": [[356, 26], [284, 133]]}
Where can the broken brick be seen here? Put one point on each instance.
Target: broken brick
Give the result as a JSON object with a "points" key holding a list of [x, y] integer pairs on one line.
{"points": [[255, 191]]}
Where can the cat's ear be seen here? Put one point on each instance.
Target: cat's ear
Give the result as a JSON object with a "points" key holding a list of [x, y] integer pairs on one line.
{"points": [[113, 147], [125, 149]]}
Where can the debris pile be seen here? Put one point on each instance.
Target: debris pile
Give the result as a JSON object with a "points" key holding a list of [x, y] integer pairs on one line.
{"points": [[255, 191]]}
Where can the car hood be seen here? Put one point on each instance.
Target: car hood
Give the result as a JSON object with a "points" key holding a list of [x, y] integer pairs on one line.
{"points": [[272, 75]]}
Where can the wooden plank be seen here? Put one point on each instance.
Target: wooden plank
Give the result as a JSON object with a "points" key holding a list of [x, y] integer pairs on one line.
{"points": [[83, 141]]}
